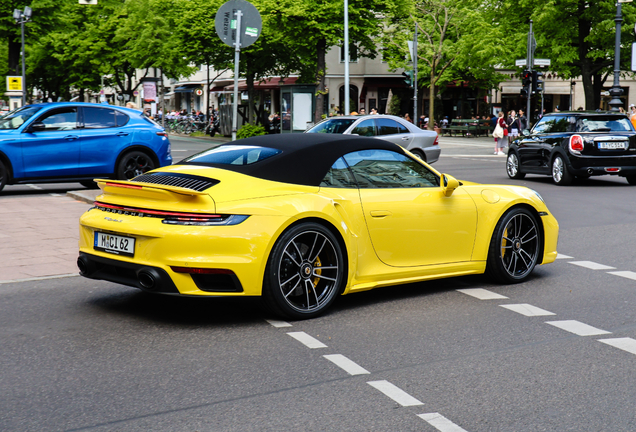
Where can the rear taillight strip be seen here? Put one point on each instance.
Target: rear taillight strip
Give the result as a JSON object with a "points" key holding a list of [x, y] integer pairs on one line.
{"points": [[157, 213]]}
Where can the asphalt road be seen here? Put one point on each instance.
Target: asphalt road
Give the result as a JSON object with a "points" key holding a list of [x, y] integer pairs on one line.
{"points": [[552, 354]]}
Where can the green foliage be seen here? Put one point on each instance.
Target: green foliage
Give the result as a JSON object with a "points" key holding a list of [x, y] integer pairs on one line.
{"points": [[250, 130]]}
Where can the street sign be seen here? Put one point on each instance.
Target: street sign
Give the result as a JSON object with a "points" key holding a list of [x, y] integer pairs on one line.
{"points": [[225, 23], [541, 62], [14, 83], [521, 62]]}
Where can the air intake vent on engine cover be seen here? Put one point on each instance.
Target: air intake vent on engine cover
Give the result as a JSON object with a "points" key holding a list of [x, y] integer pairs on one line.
{"points": [[186, 181]]}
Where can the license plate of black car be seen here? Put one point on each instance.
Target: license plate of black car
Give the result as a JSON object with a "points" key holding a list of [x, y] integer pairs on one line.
{"points": [[612, 145], [114, 244]]}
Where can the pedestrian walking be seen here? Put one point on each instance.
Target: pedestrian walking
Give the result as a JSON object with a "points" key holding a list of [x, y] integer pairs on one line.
{"points": [[500, 134], [523, 121], [632, 110], [513, 125], [407, 117]]}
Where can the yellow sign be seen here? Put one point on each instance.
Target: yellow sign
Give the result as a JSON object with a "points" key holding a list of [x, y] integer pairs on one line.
{"points": [[14, 83]]}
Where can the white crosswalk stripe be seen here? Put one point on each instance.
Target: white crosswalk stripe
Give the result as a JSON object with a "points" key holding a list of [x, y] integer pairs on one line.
{"points": [[527, 310], [482, 294], [578, 328], [591, 265]]}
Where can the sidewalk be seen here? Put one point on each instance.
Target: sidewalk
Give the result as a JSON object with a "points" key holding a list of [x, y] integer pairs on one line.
{"points": [[40, 236]]}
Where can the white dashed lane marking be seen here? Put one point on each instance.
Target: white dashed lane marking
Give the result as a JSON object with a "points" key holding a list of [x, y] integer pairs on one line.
{"points": [[395, 393], [626, 274], [578, 328], [440, 422], [308, 341], [279, 324], [349, 366], [482, 294], [626, 344], [561, 256], [591, 265], [527, 310]]}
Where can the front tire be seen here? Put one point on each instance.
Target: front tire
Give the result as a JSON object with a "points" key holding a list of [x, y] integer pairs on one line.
{"points": [[560, 174], [4, 176], [305, 272], [512, 166], [133, 164], [514, 247]]}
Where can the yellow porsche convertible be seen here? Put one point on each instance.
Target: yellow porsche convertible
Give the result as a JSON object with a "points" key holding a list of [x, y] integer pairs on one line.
{"points": [[300, 219]]}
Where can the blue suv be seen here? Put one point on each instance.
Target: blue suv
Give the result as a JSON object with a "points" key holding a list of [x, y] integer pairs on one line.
{"points": [[77, 142]]}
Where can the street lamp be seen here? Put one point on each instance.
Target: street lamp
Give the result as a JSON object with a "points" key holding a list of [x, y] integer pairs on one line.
{"points": [[21, 17], [616, 91]]}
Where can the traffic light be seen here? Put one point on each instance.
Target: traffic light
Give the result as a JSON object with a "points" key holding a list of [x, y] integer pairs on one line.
{"points": [[408, 78], [524, 92], [525, 78], [537, 83]]}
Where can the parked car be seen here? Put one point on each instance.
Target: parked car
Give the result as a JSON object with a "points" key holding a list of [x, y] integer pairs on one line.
{"points": [[422, 143], [581, 144], [77, 142], [301, 218]]}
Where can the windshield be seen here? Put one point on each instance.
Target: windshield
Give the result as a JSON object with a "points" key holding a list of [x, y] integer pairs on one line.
{"points": [[332, 126], [15, 119]]}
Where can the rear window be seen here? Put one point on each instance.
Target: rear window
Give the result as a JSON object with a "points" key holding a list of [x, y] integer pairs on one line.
{"points": [[332, 126], [232, 155], [603, 124]]}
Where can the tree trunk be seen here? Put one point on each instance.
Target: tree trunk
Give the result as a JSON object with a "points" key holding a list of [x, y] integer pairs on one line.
{"points": [[321, 70]]}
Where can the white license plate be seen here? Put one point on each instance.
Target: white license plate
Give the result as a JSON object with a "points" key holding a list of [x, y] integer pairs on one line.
{"points": [[613, 145], [114, 244]]}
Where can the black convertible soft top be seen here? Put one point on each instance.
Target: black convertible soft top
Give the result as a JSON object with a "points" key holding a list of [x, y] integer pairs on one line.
{"points": [[304, 159]]}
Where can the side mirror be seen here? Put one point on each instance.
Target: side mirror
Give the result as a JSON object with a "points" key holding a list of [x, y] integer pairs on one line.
{"points": [[37, 126], [525, 132], [448, 184]]}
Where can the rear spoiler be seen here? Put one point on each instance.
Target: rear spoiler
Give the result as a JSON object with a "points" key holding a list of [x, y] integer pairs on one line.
{"points": [[123, 187]]}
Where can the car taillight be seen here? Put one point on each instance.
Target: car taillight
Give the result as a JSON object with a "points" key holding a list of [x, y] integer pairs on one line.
{"points": [[163, 134], [576, 144], [436, 140]]}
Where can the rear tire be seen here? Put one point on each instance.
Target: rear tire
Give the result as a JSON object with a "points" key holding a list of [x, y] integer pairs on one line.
{"points": [[419, 154], [560, 174], [133, 164], [305, 272], [4, 175], [630, 179], [512, 166], [514, 247]]}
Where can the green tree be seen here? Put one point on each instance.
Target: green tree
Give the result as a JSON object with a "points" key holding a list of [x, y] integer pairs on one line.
{"points": [[309, 28], [576, 35], [456, 41]]}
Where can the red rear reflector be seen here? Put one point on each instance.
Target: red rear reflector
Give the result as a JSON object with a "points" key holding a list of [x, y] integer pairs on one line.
{"points": [[195, 270], [576, 143], [129, 186], [612, 169], [162, 134]]}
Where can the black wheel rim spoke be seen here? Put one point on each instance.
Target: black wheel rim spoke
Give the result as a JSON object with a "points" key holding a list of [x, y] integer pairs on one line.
{"points": [[519, 246], [308, 271]]}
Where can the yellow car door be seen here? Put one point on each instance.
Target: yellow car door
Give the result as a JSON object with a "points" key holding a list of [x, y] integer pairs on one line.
{"points": [[410, 220]]}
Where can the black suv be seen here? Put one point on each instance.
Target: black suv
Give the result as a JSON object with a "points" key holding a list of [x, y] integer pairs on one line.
{"points": [[581, 144]]}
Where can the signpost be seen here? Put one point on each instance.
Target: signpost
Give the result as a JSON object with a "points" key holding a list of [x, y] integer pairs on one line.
{"points": [[238, 24]]}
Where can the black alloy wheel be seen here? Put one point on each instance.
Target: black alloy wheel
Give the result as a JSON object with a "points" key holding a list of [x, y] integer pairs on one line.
{"points": [[512, 166], [305, 272], [560, 174], [133, 164], [4, 174], [514, 247]]}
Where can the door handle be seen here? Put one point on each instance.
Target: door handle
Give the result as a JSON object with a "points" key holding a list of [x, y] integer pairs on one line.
{"points": [[380, 213], [71, 137], [120, 134], [406, 138]]}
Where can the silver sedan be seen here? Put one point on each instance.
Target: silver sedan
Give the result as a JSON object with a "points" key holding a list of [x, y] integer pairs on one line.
{"points": [[422, 143]]}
